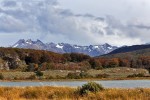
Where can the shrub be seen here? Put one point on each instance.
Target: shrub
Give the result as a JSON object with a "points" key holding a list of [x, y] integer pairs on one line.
{"points": [[16, 78], [73, 76], [31, 77], [59, 77], [85, 75], [39, 73], [49, 77], [102, 76], [136, 75], [78, 75], [1, 76], [90, 87]]}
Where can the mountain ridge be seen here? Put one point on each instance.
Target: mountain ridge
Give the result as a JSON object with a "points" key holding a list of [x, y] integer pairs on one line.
{"points": [[91, 50]]}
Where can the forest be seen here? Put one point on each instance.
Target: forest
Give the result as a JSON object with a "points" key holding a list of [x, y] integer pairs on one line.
{"points": [[40, 60]]}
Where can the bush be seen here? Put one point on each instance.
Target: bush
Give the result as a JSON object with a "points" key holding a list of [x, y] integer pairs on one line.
{"points": [[78, 75], [90, 87], [50, 77], [1, 76], [85, 75], [136, 75], [73, 76], [31, 77], [59, 77], [102, 76], [39, 73]]}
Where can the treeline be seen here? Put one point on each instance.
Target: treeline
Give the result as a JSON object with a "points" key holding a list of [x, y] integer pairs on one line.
{"points": [[135, 59], [137, 62], [34, 60], [31, 60]]}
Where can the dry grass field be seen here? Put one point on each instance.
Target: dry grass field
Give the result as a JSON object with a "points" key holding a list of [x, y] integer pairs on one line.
{"points": [[65, 93]]}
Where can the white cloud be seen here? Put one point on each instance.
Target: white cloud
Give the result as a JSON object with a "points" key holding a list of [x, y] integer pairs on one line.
{"points": [[46, 20]]}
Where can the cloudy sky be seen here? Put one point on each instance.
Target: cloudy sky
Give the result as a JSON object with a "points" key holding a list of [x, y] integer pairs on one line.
{"points": [[83, 22]]}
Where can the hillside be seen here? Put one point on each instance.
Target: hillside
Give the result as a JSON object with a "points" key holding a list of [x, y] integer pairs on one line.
{"points": [[32, 60], [130, 48], [132, 54]]}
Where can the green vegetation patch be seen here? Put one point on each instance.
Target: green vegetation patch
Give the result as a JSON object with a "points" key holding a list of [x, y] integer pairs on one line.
{"points": [[90, 87]]}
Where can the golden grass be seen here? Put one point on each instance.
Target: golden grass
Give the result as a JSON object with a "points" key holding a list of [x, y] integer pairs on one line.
{"points": [[65, 93], [35, 93]]}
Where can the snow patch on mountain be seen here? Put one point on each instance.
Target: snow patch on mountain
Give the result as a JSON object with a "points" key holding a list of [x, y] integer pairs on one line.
{"points": [[59, 46]]}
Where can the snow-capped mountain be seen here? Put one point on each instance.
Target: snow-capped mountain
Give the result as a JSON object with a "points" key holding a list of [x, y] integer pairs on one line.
{"points": [[92, 50], [30, 44]]}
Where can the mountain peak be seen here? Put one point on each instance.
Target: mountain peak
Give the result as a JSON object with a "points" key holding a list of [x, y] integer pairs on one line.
{"points": [[92, 50], [21, 40], [38, 40], [107, 45], [29, 41]]}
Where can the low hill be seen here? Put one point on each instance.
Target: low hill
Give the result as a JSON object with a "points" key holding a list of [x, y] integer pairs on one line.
{"points": [[131, 54]]}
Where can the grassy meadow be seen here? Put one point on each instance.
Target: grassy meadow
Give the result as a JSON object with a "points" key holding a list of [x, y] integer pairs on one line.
{"points": [[105, 74], [65, 93]]}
